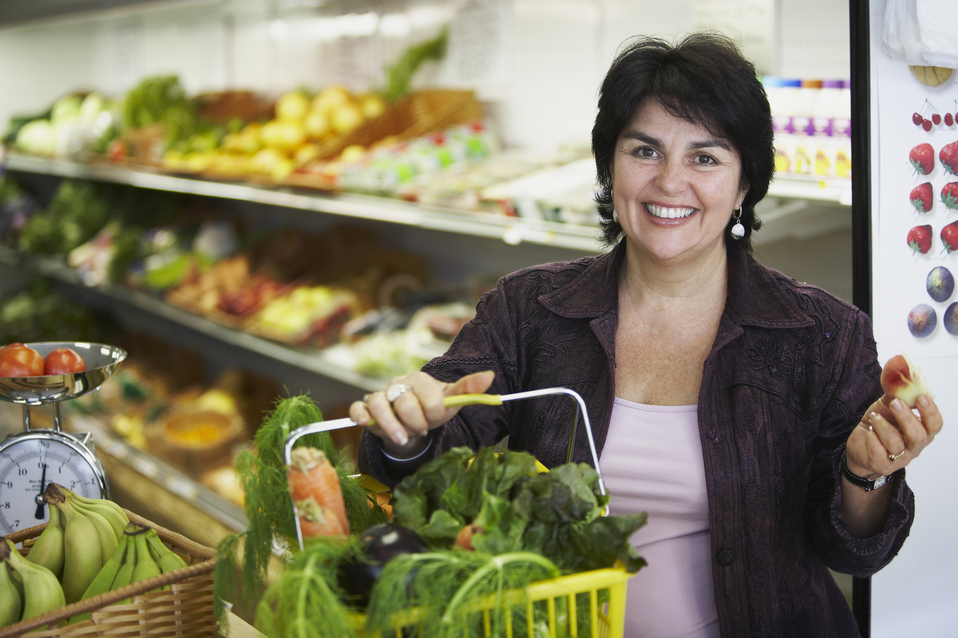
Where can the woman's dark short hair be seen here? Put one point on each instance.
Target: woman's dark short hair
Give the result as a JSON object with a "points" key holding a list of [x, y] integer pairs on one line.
{"points": [[704, 79]]}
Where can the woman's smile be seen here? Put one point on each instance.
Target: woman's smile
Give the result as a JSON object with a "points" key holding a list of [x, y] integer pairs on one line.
{"points": [[668, 212]]}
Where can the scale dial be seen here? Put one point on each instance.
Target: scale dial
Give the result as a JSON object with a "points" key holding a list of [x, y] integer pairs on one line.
{"points": [[32, 460]]}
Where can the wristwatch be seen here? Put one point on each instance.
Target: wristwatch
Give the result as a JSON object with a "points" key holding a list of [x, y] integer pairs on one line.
{"points": [[858, 481]]}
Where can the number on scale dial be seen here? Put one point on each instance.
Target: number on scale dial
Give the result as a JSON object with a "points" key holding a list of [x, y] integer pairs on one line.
{"points": [[27, 467]]}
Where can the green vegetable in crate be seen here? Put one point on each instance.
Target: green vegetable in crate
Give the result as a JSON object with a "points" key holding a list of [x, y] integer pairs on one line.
{"points": [[513, 508], [268, 504], [444, 585]]}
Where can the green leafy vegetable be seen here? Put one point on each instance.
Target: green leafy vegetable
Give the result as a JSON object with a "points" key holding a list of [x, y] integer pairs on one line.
{"points": [[557, 514], [304, 601], [268, 505], [401, 73], [443, 588]]}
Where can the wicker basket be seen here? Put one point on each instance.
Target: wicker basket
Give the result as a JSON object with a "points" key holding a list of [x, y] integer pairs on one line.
{"points": [[185, 609], [412, 116]]}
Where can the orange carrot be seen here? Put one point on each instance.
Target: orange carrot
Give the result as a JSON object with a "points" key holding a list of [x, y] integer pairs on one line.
{"points": [[316, 521], [312, 476]]}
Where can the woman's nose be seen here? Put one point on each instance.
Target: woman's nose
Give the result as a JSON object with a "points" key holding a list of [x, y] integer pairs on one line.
{"points": [[671, 175]]}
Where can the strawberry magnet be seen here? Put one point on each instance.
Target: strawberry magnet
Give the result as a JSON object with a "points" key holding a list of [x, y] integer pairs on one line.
{"points": [[922, 158], [922, 197], [919, 238]]}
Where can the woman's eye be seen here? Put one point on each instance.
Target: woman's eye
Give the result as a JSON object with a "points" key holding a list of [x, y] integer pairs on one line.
{"points": [[644, 152], [705, 160]]}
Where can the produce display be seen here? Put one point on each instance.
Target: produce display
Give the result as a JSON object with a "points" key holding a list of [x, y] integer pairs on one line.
{"points": [[77, 543], [462, 528], [431, 145]]}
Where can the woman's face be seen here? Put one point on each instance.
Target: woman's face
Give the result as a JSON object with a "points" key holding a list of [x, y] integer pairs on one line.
{"points": [[674, 184]]}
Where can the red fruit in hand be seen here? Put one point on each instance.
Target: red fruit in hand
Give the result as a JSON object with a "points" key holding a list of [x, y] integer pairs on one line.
{"points": [[922, 157], [921, 197], [901, 379], [949, 157], [18, 360], [949, 195], [949, 236], [919, 238], [63, 361]]}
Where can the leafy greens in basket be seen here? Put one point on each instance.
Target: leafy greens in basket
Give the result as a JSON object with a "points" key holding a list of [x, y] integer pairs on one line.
{"points": [[513, 508]]}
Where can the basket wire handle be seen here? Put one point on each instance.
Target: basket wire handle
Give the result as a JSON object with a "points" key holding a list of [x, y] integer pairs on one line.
{"points": [[457, 401]]}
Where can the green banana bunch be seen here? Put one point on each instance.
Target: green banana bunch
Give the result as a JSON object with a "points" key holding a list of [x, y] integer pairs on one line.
{"points": [[41, 589], [166, 558], [83, 557], [48, 550], [104, 530], [146, 567], [124, 575], [11, 604], [106, 508], [105, 577]]}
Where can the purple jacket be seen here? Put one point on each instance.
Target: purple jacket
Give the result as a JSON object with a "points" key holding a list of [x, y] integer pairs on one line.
{"points": [[790, 373]]}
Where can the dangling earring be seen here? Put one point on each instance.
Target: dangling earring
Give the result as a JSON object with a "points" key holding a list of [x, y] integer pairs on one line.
{"points": [[615, 216], [738, 231]]}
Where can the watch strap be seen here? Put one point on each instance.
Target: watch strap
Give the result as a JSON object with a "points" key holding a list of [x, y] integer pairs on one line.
{"points": [[859, 481]]}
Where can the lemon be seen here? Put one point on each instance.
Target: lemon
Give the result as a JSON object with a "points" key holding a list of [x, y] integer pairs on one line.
{"points": [[331, 98], [292, 106], [346, 119], [372, 105], [316, 124], [305, 154], [352, 153]]}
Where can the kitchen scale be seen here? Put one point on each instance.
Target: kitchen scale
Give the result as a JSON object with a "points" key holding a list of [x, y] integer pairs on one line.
{"points": [[32, 459]]}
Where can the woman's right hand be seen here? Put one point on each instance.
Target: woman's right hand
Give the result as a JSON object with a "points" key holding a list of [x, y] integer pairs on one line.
{"points": [[416, 408]]}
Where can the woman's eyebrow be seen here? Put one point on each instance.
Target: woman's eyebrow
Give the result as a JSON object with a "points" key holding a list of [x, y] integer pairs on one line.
{"points": [[712, 142]]}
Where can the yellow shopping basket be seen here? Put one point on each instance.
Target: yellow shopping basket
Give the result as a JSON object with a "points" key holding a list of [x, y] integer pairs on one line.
{"points": [[602, 590]]}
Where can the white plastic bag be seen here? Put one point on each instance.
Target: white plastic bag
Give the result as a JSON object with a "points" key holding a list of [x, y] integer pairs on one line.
{"points": [[920, 32]]}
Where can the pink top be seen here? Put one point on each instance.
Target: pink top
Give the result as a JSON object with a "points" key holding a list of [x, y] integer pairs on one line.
{"points": [[652, 462]]}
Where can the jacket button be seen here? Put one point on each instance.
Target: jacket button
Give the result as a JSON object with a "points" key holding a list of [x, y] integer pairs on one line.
{"points": [[726, 557]]}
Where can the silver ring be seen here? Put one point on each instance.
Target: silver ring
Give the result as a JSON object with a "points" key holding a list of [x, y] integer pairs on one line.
{"points": [[366, 398], [395, 391], [894, 457]]}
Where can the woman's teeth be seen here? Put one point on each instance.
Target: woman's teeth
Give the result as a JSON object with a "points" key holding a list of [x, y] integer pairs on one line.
{"points": [[668, 213]]}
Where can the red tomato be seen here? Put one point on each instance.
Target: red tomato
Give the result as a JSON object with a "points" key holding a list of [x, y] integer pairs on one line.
{"points": [[63, 361], [18, 360]]}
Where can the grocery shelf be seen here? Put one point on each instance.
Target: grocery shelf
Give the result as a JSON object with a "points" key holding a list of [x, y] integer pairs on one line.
{"points": [[308, 359], [142, 473], [810, 187], [511, 230]]}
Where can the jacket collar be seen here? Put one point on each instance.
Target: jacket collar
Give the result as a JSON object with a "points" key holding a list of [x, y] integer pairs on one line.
{"points": [[756, 295]]}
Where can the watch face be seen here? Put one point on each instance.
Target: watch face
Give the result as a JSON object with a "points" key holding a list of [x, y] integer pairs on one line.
{"points": [[29, 464]]}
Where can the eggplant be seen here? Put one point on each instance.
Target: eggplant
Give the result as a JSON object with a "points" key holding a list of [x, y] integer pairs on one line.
{"points": [[379, 544]]}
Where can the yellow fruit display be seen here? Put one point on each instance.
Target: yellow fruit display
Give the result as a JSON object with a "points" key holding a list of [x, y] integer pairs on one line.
{"points": [[331, 98], [305, 154], [283, 134], [316, 124], [346, 118], [266, 161], [930, 75], [372, 105], [292, 106]]}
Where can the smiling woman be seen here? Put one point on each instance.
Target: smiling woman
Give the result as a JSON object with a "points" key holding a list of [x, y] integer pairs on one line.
{"points": [[725, 398]]}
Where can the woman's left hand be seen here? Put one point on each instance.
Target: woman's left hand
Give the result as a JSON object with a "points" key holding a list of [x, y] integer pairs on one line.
{"points": [[890, 436]]}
